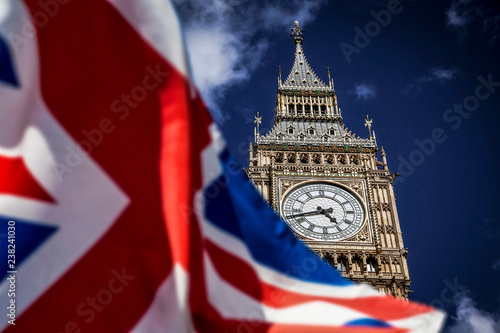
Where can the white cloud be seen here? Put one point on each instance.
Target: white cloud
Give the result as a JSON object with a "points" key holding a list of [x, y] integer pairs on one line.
{"points": [[439, 74], [221, 40], [470, 319], [365, 91], [217, 59]]}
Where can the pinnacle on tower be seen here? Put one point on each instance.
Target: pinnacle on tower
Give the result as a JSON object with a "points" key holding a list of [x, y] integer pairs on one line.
{"points": [[297, 33], [303, 95], [302, 75]]}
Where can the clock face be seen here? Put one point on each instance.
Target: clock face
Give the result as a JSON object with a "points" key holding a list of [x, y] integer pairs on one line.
{"points": [[324, 211]]}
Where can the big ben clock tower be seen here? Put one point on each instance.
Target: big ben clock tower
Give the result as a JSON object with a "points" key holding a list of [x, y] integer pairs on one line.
{"points": [[327, 183]]}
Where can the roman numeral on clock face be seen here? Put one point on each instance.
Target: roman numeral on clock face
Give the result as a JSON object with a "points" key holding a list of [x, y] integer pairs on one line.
{"points": [[322, 193]]}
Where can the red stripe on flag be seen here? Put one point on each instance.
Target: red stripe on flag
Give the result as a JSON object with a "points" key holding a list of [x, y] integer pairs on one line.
{"points": [[16, 179], [92, 65], [242, 276]]}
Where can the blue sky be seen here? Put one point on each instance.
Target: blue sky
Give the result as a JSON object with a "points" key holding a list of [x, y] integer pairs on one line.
{"points": [[428, 75]]}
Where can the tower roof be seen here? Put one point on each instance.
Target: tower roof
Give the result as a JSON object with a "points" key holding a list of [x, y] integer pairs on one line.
{"points": [[301, 75], [307, 111]]}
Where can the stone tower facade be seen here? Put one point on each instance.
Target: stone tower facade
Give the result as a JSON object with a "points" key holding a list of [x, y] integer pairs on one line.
{"points": [[327, 183]]}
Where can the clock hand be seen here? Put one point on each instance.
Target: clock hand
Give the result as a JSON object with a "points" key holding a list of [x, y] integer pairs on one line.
{"points": [[305, 214], [332, 219], [318, 210]]}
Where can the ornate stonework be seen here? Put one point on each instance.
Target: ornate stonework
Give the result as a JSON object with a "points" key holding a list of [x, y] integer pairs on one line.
{"points": [[310, 143]]}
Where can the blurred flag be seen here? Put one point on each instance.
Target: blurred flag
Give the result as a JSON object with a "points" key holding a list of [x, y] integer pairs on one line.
{"points": [[128, 212]]}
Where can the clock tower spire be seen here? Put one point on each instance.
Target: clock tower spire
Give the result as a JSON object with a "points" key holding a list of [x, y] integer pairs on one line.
{"points": [[327, 183], [304, 95]]}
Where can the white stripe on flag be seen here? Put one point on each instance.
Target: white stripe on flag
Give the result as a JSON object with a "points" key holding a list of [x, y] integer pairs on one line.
{"points": [[157, 22], [424, 323], [210, 164], [231, 303]]}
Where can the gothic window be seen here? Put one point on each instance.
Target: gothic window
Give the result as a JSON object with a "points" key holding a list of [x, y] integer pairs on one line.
{"points": [[310, 131], [316, 158], [328, 258], [385, 266], [315, 110], [280, 136], [299, 108], [371, 265], [307, 109], [331, 131], [329, 159], [354, 159], [279, 158], [301, 137], [291, 158], [290, 130], [304, 81], [301, 63], [342, 159], [290, 107], [396, 267], [342, 264], [316, 81], [292, 81], [296, 72], [323, 109], [304, 158], [357, 265], [308, 73]]}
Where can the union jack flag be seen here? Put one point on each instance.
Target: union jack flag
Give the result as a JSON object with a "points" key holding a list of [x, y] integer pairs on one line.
{"points": [[129, 212]]}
